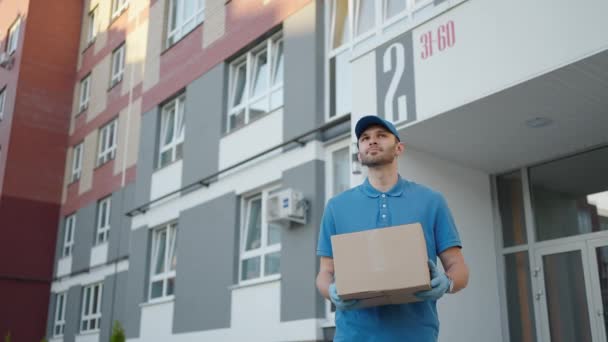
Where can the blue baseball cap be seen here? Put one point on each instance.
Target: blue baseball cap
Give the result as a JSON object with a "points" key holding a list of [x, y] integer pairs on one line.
{"points": [[370, 120]]}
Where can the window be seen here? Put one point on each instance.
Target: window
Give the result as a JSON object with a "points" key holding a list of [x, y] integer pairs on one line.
{"points": [[118, 65], [59, 324], [2, 101], [85, 93], [103, 220], [92, 28], [68, 237], [163, 261], [256, 83], [261, 243], [91, 307], [118, 6], [13, 37], [354, 23], [172, 131], [184, 15], [76, 163], [107, 143]]}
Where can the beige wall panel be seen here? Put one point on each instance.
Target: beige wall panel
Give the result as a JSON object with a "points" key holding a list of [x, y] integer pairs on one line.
{"points": [[89, 156], [154, 46], [100, 80], [103, 16], [215, 21], [137, 42], [133, 137], [122, 138], [135, 8], [67, 173]]}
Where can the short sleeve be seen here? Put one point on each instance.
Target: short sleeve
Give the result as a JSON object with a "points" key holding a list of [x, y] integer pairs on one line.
{"points": [[446, 234], [328, 228]]}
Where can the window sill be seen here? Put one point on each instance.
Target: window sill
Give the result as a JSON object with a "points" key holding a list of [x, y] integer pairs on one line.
{"points": [[88, 333], [168, 47], [100, 244], [89, 44], [102, 164], [81, 111], [157, 301], [113, 85], [167, 165], [225, 134], [269, 279]]}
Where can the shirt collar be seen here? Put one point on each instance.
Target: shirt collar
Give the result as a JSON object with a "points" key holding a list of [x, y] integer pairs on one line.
{"points": [[395, 191]]}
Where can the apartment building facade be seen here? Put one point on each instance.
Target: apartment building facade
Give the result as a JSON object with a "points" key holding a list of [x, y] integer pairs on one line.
{"points": [[189, 117]]}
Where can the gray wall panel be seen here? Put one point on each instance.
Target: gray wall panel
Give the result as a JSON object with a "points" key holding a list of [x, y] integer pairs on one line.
{"points": [[205, 105], [205, 267], [137, 279], [51, 315], [299, 267], [120, 223], [83, 237], [146, 160], [113, 303], [304, 60], [72, 313], [59, 243]]}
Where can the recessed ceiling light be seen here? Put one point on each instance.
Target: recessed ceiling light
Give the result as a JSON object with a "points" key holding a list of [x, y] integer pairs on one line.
{"points": [[538, 122]]}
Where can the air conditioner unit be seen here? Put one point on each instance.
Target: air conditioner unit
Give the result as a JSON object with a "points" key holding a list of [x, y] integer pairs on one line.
{"points": [[286, 206], [6, 60]]}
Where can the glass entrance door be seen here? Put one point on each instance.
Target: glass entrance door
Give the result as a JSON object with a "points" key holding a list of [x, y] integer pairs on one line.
{"points": [[570, 296], [598, 259]]}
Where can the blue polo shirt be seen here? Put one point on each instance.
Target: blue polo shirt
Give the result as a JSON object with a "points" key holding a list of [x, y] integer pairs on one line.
{"points": [[363, 208]]}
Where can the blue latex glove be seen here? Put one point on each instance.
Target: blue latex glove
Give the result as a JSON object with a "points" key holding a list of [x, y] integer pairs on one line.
{"points": [[338, 302], [440, 284]]}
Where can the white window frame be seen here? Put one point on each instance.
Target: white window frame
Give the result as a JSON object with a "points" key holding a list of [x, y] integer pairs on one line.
{"points": [[107, 142], [68, 235], [76, 171], [91, 316], [104, 208], [413, 13], [118, 6], [183, 23], [85, 93], [2, 102], [92, 27], [168, 273], [329, 193], [59, 318], [176, 108], [13, 37], [274, 86], [264, 248], [118, 65]]}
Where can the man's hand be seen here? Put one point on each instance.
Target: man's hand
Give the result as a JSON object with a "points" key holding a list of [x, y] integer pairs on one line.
{"points": [[338, 302], [440, 284]]}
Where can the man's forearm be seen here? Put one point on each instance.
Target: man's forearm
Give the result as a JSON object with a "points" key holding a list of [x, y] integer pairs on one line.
{"points": [[324, 279], [459, 273]]}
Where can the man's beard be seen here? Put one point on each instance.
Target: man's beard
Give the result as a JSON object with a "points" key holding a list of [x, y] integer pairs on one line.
{"points": [[383, 157]]}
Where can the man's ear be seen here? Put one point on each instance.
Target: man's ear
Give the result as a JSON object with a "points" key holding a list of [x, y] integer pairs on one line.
{"points": [[399, 148]]}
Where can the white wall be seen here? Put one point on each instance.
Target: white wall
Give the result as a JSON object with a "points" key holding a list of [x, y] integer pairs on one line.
{"points": [[502, 43], [473, 314]]}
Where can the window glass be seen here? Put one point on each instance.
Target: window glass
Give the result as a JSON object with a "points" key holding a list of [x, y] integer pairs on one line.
{"points": [[511, 204], [254, 224]]}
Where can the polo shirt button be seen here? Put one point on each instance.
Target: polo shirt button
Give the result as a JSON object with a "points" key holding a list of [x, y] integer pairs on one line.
{"points": [[384, 206], [383, 195], [383, 215]]}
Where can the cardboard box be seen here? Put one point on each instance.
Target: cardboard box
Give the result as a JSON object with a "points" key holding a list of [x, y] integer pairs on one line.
{"points": [[381, 266]]}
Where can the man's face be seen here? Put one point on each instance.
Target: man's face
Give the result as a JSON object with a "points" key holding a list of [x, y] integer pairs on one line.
{"points": [[378, 146]]}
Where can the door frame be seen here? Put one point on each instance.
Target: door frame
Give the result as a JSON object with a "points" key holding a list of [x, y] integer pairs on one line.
{"points": [[540, 297], [598, 308]]}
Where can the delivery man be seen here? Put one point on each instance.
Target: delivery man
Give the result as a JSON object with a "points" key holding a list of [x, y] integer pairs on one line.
{"points": [[383, 200]]}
